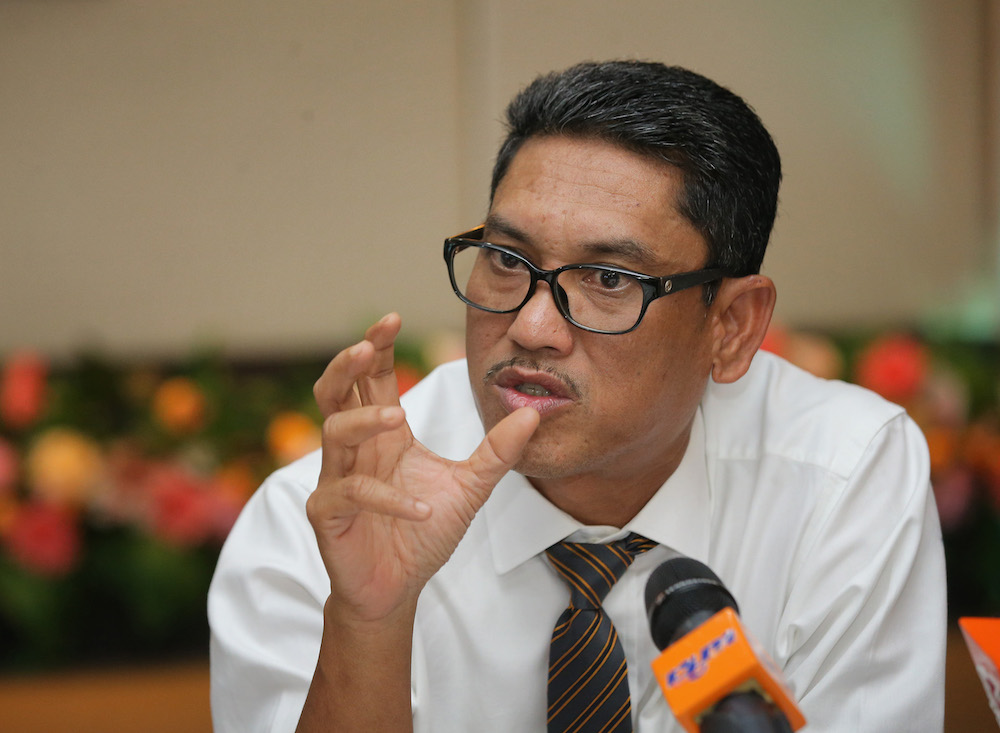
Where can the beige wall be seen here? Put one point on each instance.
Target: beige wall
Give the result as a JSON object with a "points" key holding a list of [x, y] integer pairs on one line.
{"points": [[241, 171]]}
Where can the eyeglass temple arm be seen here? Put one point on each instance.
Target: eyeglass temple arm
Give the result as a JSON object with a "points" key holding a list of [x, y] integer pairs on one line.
{"points": [[476, 233], [690, 279]]}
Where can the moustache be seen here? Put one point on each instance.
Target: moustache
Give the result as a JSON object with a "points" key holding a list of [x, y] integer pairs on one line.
{"points": [[532, 365]]}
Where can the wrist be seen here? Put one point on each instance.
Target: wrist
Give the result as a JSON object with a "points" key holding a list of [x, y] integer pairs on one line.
{"points": [[365, 625], [357, 656]]}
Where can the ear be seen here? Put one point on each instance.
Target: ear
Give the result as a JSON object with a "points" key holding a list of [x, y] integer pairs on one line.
{"points": [[741, 313]]}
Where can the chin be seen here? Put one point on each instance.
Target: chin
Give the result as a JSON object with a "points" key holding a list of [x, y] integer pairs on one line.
{"points": [[544, 462], [536, 469]]}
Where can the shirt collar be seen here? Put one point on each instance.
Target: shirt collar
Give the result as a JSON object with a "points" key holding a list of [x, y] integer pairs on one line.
{"points": [[521, 523]]}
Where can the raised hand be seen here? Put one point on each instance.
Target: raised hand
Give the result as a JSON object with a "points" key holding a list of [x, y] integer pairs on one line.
{"points": [[387, 512]]}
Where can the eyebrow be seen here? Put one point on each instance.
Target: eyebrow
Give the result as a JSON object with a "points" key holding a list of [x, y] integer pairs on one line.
{"points": [[629, 249]]}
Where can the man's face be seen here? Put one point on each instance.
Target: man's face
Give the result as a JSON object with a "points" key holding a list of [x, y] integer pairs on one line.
{"points": [[614, 407]]}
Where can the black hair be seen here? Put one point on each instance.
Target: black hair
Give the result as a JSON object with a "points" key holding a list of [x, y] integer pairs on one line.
{"points": [[730, 166]]}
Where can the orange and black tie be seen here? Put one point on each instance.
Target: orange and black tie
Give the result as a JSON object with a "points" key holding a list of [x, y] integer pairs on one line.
{"points": [[588, 676]]}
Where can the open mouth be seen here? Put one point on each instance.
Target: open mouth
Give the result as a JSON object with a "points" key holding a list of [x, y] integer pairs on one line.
{"points": [[532, 390], [522, 384]]}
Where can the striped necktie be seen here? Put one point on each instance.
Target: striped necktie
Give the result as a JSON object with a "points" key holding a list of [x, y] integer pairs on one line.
{"points": [[588, 676]]}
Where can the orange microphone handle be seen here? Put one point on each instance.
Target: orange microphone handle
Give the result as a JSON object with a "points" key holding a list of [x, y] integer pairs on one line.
{"points": [[716, 661]]}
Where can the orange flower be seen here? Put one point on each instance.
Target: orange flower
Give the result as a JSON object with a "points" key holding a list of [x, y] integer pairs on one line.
{"points": [[64, 467], [943, 445], [816, 354], [981, 446], [775, 340], [9, 508], [406, 377], [894, 366], [22, 389], [179, 406], [291, 435], [236, 480], [44, 538]]}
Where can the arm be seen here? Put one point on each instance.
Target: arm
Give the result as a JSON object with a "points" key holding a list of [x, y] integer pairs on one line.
{"points": [[865, 621], [387, 514]]}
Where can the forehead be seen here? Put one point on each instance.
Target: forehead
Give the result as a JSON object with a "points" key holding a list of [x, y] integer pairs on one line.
{"points": [[561, 193]]}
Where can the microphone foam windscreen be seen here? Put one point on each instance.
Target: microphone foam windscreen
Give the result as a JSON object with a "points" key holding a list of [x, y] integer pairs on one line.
{"points": [[680, 594]]}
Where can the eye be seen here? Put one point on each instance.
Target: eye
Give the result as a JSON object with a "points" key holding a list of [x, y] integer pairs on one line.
{"points": [[606, 284], [504, 263], [610, 280], [508, 260]]}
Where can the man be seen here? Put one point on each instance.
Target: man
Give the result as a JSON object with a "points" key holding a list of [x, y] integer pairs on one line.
{"points": [[412, 575]]}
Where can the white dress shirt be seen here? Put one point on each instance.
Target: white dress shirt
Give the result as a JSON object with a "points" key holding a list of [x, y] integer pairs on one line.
{"points": [[809, 498]]}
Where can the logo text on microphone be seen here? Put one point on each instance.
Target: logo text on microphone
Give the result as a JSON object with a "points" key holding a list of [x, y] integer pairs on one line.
{"points": [[696, 665]]}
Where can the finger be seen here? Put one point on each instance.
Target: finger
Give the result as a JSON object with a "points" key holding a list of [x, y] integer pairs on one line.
{"points": [[334, 390], [501, 448], [379, 386], [344, 431], [333, 505]]}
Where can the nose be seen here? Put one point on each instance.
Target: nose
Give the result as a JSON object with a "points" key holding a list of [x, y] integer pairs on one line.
{"points": [[539, 324]]}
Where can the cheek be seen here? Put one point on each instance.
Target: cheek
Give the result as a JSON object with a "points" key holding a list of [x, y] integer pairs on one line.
{"points": [[482, 331], [649, 376], [651, 404]]}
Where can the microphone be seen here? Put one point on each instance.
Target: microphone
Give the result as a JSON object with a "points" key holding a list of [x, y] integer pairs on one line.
{"points": [[982, 636], [715, 677]]}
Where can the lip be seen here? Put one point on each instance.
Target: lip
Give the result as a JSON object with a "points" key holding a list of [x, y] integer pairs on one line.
{"points": [[505, 382]]}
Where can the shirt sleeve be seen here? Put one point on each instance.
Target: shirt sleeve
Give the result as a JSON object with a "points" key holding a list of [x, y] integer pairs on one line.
{"points": [[266, 613], [864, 627]]}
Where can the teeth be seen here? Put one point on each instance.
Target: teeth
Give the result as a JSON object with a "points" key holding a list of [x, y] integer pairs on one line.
{"points": [[535, 390]]}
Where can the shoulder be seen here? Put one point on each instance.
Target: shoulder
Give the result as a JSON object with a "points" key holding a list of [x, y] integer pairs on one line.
{"points": [[274, 519], [781, 411]]}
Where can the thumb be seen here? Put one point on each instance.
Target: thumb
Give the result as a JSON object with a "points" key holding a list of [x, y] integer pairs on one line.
{"points": [[502, 447]]}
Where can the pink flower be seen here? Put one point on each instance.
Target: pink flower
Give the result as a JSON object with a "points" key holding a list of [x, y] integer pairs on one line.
{"points": [[894, 366], [125, 499], [953, 492], [45, 539], [181, 506], [225, 509], [947, 396], [22, 389]]}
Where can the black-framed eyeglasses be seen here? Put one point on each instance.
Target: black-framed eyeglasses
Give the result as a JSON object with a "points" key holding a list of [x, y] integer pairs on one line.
{"points": [[596, 298]]}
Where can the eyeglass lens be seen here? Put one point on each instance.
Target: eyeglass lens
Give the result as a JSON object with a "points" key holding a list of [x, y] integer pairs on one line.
{"points": [[597, 298]]}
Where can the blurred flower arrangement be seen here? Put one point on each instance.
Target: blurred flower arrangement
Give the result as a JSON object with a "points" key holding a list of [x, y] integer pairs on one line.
{"points": [[952, 391], [119, 483]]}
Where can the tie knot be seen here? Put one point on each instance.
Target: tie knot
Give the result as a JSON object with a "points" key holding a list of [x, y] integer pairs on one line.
{"points": [[591, 570]]}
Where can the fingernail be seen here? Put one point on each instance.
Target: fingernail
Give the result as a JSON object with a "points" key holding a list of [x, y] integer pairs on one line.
{"points": [[422, 507], [389, 413]]}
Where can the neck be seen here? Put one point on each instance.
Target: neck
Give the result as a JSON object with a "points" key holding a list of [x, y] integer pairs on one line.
{"points": [[611, 500]]}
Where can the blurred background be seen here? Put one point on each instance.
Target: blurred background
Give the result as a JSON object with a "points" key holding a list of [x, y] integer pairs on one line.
{"points": [[201, 201]]}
